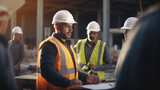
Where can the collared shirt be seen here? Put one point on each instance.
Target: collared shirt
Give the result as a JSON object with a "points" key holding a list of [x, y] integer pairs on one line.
{"points": [[48, 53]]}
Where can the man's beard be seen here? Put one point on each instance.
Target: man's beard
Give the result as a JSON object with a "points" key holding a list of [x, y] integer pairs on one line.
{"points": [[62, 35], [91, 38]]}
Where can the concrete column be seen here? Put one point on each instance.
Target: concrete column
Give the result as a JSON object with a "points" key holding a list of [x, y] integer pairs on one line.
{"points": [[106, 20], [39, 22], [76, 27], [13, 21]]}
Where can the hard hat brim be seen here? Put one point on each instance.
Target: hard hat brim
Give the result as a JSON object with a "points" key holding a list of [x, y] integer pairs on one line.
{"points": [[63, 22], [125, 28], [93, 30], [17, 32]]}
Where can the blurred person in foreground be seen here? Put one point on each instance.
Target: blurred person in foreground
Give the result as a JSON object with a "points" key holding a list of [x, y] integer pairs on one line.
{"points": [[16, 48], [93, 55], [127, 27], [7, 81], [141, 68], [56, 62]]}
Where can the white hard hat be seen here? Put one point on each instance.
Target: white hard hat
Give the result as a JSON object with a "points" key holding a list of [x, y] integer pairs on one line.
{"points": [[17, 29], [129, 23], [63, 16], [93, 26], [11, 5]]}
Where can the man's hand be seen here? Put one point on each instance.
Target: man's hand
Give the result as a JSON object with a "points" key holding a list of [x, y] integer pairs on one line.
{"points": [[93, 67], [16, 67], [93, 79], [75, 82]]}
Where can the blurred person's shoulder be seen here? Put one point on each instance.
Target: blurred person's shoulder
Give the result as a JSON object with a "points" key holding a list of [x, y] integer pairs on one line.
{"points": [[152, 12], [2, 52]]}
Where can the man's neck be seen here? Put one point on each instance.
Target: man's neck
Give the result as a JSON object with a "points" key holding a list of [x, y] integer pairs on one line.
{"points": [[64, 40], [90, 43]]}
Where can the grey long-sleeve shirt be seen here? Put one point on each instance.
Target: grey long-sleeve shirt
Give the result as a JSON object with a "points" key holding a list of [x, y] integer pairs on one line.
{"points": [[16, 50]]}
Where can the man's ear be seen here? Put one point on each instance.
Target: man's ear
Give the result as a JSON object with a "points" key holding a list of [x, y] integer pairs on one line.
{"points": [[57, 28]]}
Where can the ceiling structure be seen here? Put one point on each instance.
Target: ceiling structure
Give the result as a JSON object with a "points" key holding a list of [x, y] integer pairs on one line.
{"points": [[119, 9], [85, 10], [117, 6]]}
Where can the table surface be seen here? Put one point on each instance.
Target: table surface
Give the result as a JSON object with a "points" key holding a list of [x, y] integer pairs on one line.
{"points": [[28, 77]]}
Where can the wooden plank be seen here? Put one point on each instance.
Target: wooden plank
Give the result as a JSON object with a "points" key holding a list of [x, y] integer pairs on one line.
{"points": [[27, 77]]}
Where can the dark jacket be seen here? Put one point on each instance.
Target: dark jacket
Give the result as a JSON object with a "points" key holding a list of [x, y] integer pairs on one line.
{"points": [[48, 53]]}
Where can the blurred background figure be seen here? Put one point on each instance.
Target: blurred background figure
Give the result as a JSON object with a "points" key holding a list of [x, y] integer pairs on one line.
{"points": [[16, 48], [7, 81], [140, 70], [128, 26], [93, 55]]}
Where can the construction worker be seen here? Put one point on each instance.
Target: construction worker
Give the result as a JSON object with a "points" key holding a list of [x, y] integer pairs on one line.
{"points": [[16, 48], [56, 61], [127, 27], [93, 54], [141, 68], [7, 81]]}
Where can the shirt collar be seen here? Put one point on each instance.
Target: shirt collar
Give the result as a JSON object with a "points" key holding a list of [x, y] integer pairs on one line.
{"points": [[93, 44]]}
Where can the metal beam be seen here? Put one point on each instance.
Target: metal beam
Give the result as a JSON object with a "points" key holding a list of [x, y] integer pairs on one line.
{"points": [[13, 21], [106, 20], [39, 22]]}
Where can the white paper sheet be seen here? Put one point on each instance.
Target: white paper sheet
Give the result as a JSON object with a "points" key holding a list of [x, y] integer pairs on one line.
{"points": [[99, 86]]}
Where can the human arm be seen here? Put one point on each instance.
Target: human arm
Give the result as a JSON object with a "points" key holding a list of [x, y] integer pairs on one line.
{"points": [[17, 66], [48, 53], [85, 78]]}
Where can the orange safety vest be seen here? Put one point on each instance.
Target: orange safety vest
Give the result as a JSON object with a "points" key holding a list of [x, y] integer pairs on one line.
{"points": [[63, 64]]}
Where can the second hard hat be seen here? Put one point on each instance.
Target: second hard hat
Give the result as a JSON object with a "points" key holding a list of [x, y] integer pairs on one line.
{"points": [[129, 23], [93, 26], [63, 16], [17, 29]]}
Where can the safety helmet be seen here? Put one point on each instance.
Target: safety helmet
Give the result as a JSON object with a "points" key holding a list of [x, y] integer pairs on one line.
{"points": [[129, 23], [17, 29], [93, 26], [63, 16]]}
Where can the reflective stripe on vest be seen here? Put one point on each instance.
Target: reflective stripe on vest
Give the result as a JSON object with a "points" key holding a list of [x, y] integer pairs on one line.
{"points": [[63, 70], [78, 45], [63, 64], [96, 57]]}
